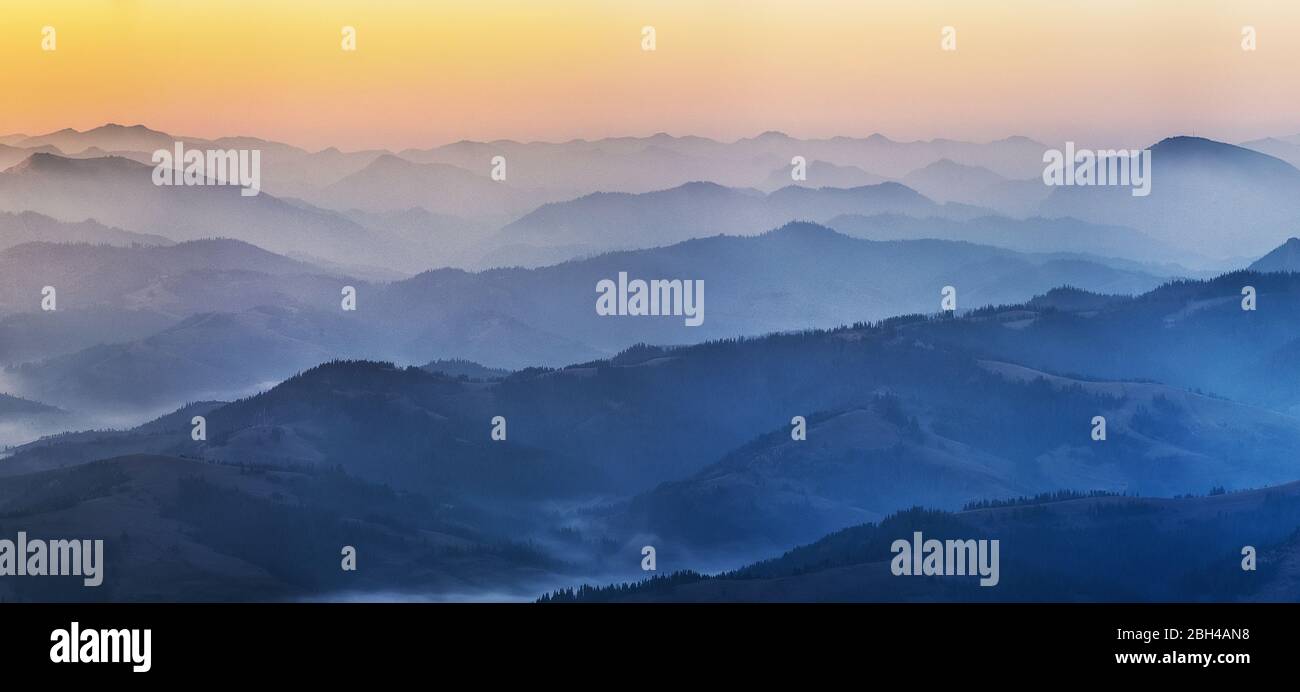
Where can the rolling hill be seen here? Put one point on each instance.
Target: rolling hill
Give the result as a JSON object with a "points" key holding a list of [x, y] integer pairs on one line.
{"points": [[1207, 197], [120, 192], [1054, 547], [511, 317], [30, 227]]}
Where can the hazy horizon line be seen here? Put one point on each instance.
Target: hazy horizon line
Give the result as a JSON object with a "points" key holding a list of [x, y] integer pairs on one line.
{"points": [[660, 133]]}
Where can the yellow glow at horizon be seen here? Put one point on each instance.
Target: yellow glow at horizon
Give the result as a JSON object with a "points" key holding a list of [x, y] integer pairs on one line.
{"points": [[429, 72]]}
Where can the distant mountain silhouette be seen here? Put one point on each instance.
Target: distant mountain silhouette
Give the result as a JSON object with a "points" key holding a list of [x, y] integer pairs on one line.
{"points": [[205, 355], [121, 192], [1280, 148], [511, 317], [947, 173], [610, 221], [1284, 258], [1208, 197], [386, 426], [660, 161], [117, 295], [948, 181], [624, 164], [752, 284], [451, 180], [448, 240], [109, 137], [180, 278], [929, 364], [28, 227], [391, 183], [1036, 234], [822, 174], [11, 155], [17, 406]]}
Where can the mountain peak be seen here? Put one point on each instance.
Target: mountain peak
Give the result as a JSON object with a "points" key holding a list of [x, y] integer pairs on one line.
{"points": [[1191, 143], [697, 188], [115, 126], [42, 162], [804, 230], [390, 160], [392, 164], [1283, 258], [947, 164], [1208, 152]]}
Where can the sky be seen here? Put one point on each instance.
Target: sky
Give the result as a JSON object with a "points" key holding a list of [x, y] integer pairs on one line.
{"points": [[428, 72]]}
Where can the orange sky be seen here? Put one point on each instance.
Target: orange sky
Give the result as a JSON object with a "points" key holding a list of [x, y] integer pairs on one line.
{"points": [[431, 71]]}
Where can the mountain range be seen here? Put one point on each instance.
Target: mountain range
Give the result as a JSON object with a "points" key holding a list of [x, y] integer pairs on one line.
{"points": [[565, 200], [697, 439], [1054, 547], [237, 316], [206, 399], [1208, 197], [697, 442]]}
